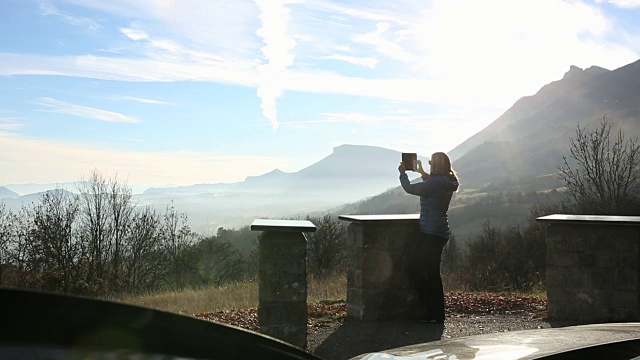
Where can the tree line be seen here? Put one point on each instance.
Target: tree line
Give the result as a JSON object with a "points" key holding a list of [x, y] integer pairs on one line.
{"points": [[100, 243]]}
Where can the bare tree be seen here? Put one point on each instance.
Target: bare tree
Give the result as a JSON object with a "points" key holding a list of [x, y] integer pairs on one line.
{"points": [[326, 247], [219, 262], [602, 174], [146, 262], [94, 228], [106, 209], [53, 246], [7, 225], [121, 205], [20, 253], [177, 237]]}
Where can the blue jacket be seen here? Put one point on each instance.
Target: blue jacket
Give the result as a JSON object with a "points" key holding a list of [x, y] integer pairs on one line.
{"points": [[435, 195]]}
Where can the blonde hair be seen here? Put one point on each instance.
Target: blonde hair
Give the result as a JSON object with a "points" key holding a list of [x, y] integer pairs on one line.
{"points": [[441, 164]]}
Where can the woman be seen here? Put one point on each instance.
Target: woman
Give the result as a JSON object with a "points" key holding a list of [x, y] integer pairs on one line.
{"points": [[435, 193]]}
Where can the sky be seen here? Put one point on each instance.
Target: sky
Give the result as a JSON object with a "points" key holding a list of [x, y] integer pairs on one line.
{"points": [[158, 92]]}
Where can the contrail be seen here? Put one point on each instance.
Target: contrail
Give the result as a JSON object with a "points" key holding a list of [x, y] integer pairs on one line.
{"points": [[275, 18]]}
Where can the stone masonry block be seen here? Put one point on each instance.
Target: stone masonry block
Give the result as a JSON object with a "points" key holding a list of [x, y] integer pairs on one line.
{"points": [[355, 311], [286, 321], [378, 269], [354, 236], [606, 259], [354, 296], [283, 291], [600, 279], [576, 278], [563, 258], [625, 242], [587, 260], [625, 299], [628, 259], [625, 279], [279, 313], [354, 278], [556, 277], [600, 298]]}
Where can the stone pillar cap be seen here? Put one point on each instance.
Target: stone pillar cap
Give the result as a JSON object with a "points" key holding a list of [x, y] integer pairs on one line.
{"points": [[283, 225], [591, 219], [389, 217]]}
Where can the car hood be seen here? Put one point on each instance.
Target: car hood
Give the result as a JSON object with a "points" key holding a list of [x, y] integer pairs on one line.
{"points": [[607, 340]]}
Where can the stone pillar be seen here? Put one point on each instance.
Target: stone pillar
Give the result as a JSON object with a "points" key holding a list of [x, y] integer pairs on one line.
{"points": [[592, 268], [378, 287], [282, 283]]}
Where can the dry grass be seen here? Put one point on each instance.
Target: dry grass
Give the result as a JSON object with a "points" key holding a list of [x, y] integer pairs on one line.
{"points": [[233, 296], [331, 288]]}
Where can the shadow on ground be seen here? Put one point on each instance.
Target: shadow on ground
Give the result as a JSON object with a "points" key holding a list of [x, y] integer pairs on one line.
{"points": [[355, 337]]}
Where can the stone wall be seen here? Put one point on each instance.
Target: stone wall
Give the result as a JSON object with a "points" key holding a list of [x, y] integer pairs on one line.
{"points": [[282, 282], [378, 287], [592, 268]]}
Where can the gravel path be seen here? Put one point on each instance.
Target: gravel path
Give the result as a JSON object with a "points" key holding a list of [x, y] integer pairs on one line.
{"points": [[331, 337], [340, 341]]}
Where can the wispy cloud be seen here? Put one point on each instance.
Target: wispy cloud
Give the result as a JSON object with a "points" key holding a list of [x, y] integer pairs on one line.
{"points": [[625, 4], [9, 123], [135, 35], [355, 60], [168, 50], [384, 46], [275, 18], [48, 9], [84, 111], [147, 101], [230, 71], [364, 12]]}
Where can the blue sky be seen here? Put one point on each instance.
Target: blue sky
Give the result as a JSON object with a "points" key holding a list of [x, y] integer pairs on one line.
{"points": [[183, 92]]}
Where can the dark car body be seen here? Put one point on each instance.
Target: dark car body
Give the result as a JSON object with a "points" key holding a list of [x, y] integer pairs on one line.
{"points": [[36, 325]]}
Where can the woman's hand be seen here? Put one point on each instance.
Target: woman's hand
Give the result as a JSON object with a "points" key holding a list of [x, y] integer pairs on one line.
{"points": [[420, 169], [402, 168]]}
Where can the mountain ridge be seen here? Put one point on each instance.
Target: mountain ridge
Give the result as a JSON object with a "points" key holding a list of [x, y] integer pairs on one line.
{"points": [[6, 193], [531, 137]]}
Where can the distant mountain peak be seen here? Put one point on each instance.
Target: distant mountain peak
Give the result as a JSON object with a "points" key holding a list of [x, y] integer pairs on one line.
{"points": [[273, 174], [576, 72], [343, 148], [596, 70], [573, 72], [350, 149]]}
